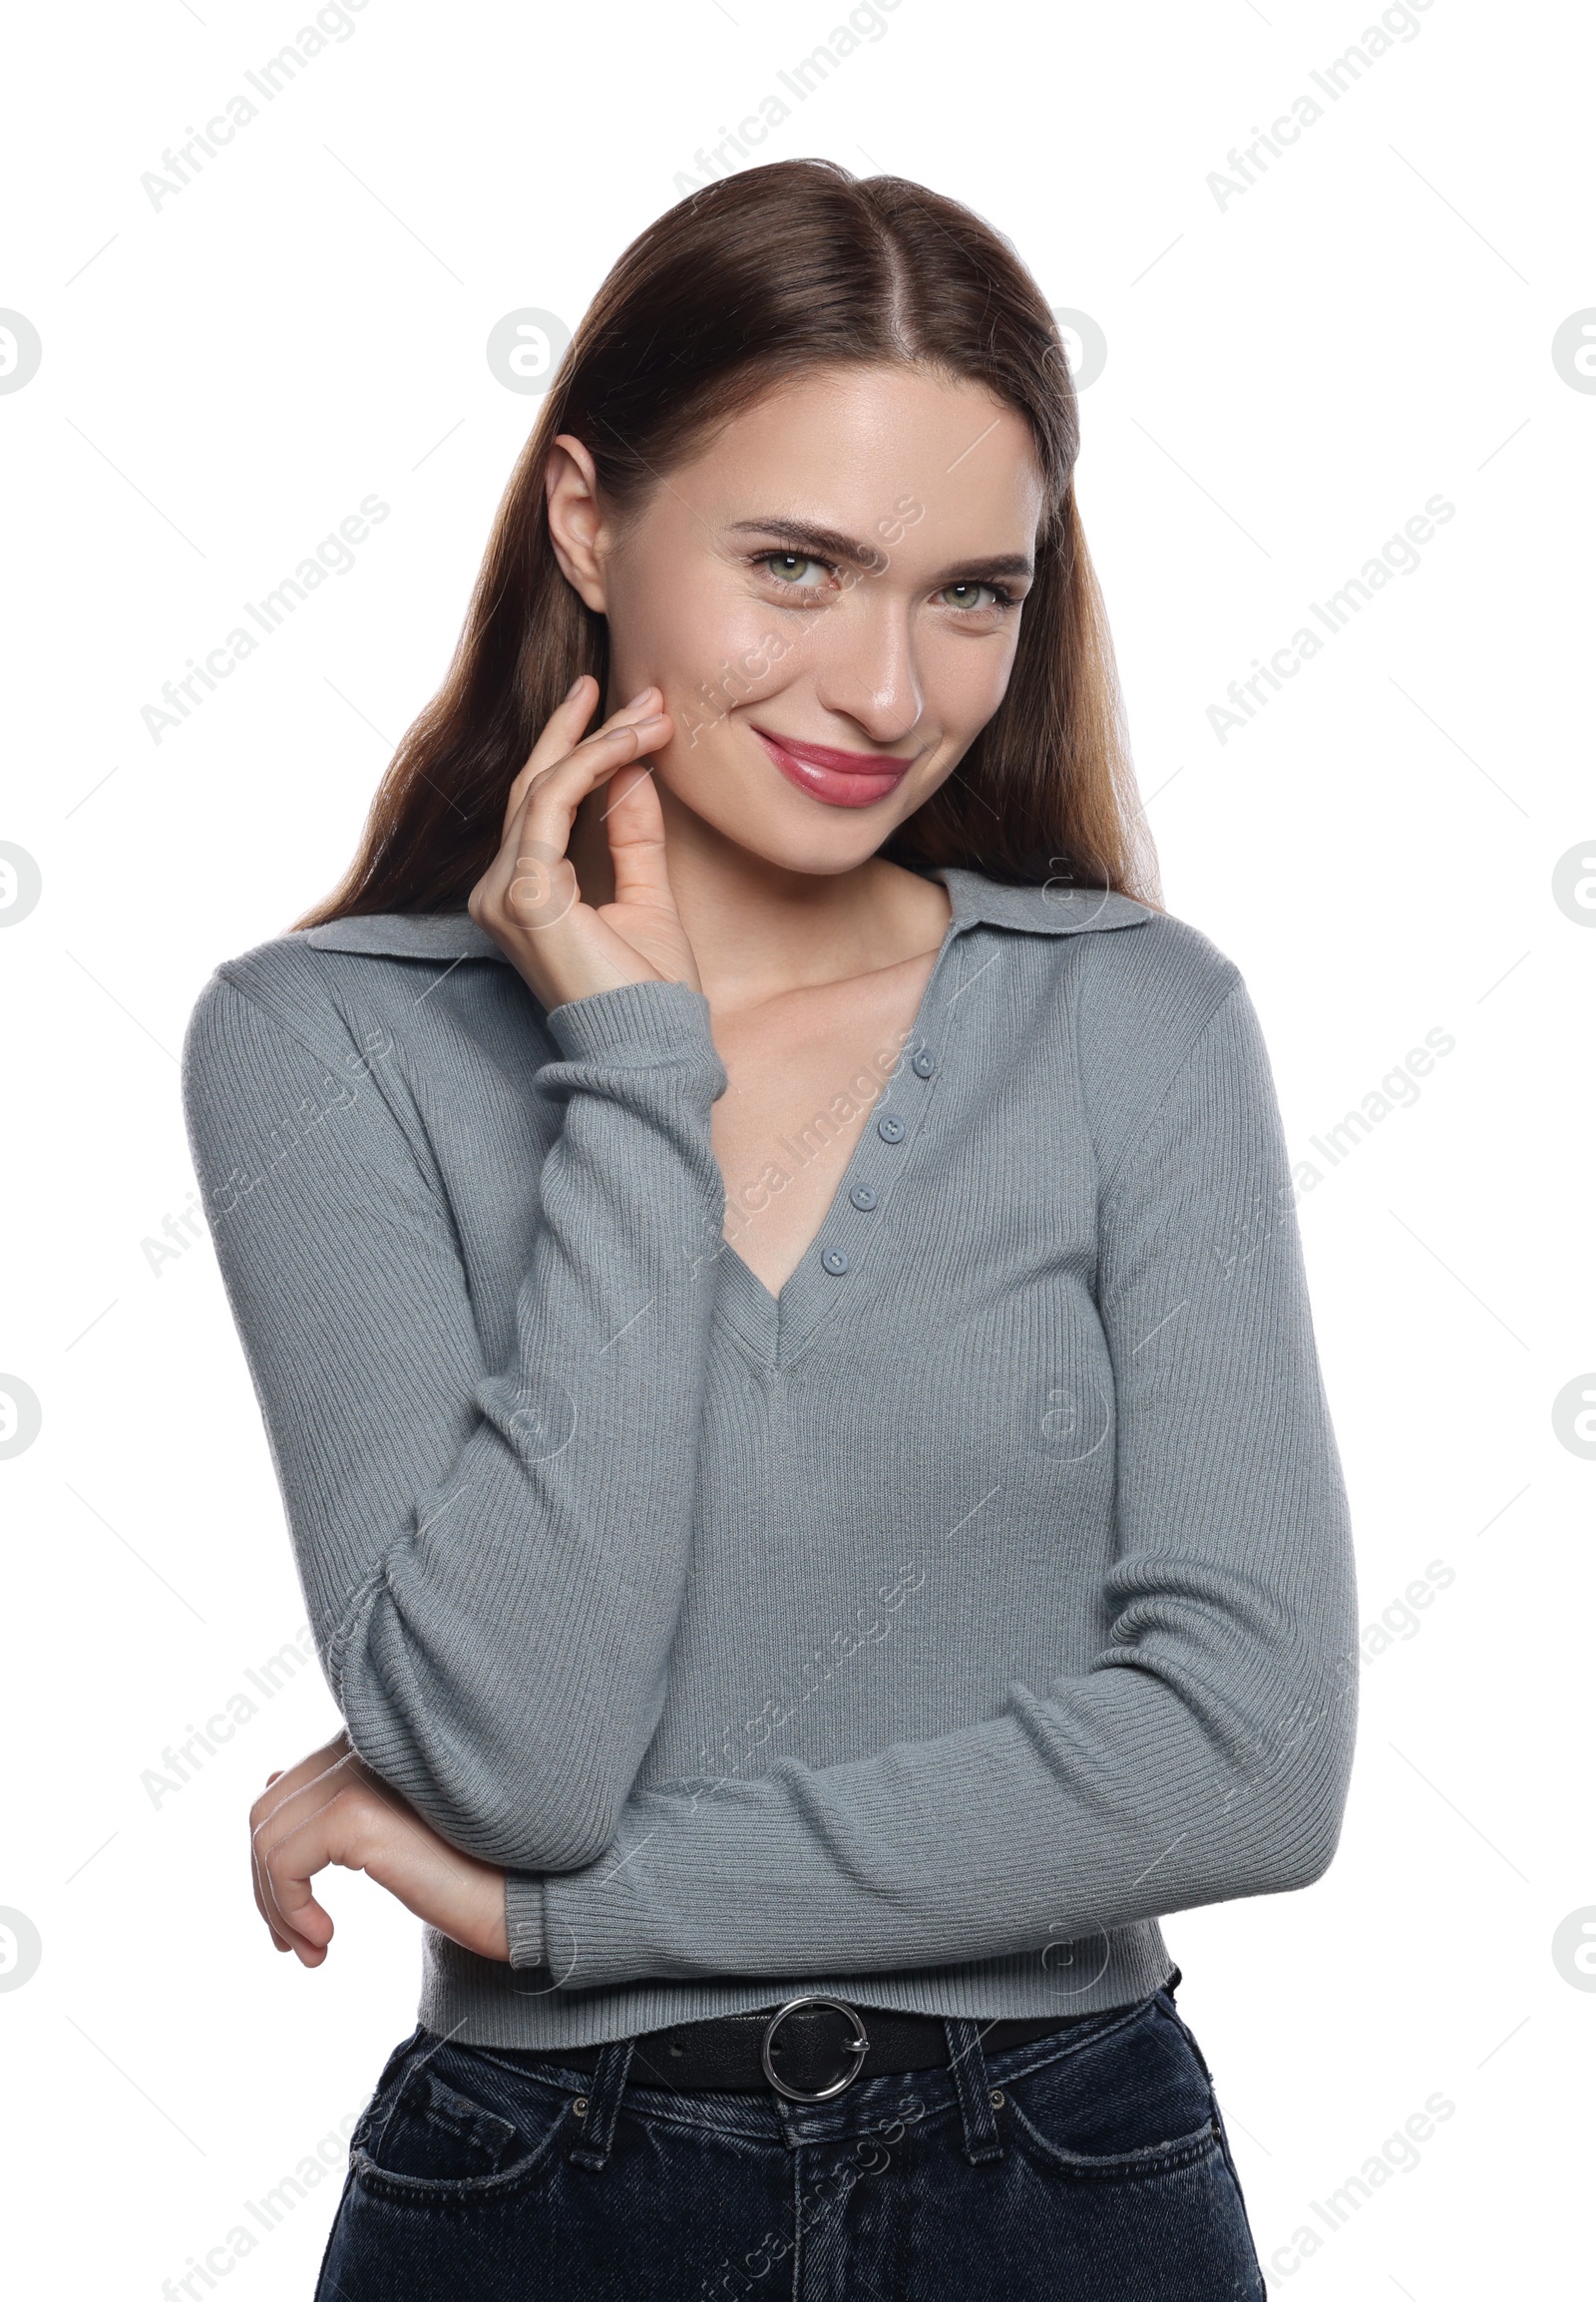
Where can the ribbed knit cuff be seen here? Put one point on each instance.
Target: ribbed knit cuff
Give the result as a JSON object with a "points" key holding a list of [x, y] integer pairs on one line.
{"points": [[635, 1023], [523, 1917]]}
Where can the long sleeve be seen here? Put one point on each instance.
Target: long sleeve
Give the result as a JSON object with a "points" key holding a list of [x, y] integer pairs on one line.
{"points": [[494, 1557], [1204, 1754]]}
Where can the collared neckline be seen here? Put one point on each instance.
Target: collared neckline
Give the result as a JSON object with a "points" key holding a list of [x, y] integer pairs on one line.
{"points": [[1053, 910]]}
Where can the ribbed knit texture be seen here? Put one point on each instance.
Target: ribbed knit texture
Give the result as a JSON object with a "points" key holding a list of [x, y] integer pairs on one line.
{"points": [[921, 1635]]}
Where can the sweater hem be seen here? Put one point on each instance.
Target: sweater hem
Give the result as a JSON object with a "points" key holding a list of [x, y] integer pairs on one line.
{"points": [[475, 2002]]}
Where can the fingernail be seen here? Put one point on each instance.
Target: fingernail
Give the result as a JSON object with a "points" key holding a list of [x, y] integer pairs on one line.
{"points": [[641, 696], [575, 685]]}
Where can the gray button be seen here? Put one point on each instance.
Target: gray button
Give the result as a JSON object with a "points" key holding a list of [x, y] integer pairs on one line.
{"points": [[862, 1197], [890, 1128], [923, 1063], [835, 1261]]}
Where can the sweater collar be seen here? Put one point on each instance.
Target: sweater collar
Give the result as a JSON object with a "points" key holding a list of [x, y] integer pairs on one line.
{"points": [[1056, 909]]}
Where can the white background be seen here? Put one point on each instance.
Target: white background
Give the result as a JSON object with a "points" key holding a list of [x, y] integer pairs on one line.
{"points": [[1290, 377]]}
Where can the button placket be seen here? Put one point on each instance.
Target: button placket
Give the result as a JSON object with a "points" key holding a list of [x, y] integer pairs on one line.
{"points": [[812, 1290], [893, 1128]]}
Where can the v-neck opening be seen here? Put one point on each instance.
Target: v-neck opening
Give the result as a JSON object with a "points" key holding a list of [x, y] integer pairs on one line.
{"points": [[775, 1313], [749, 1272]]}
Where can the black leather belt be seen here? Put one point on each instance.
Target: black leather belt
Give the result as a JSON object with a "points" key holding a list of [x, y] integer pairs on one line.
{"points": [[810, 2050]]}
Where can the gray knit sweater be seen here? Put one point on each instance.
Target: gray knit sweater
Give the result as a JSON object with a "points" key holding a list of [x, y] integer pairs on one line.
{"points": [[920, 1634]]}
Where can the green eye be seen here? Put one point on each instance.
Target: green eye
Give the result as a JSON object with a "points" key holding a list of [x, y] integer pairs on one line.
{"points": [[788, 567], [964, 594]]}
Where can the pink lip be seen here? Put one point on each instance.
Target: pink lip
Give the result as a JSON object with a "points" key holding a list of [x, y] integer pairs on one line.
{"points": [[837, 778]]}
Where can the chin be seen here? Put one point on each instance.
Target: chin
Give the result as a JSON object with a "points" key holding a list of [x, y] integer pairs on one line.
{"points": [[797, 836], [821, 850]]}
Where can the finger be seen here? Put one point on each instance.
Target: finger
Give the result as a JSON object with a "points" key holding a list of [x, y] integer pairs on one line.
{"points": [[531, 884], [636, 826], [348, 1788], [564, 733], [601, 749], [279, 1941], [312, 1763], [331, 1834], [526, 884], [554, 796], [275, 1817], [261, 1900], [284, 1937], [577, 763], [361, 1828], [285, 1929], [281, 1786], [335, 1753], [560, 732], [308, 1771]]}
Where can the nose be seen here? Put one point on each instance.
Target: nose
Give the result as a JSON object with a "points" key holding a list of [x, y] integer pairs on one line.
{"points": [[865, 666]]}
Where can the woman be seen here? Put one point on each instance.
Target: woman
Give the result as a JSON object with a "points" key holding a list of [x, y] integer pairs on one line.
{"points": [[769, 1265]]}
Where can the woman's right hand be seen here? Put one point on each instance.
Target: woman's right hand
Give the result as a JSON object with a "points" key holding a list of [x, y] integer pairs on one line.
{"points": [[529, 898]]}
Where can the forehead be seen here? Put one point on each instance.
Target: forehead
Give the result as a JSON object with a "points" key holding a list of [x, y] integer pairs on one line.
{"points": [[847, 446]]}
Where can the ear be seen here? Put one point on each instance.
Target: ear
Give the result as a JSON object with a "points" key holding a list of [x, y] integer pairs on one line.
{"points": [[576, 523]]}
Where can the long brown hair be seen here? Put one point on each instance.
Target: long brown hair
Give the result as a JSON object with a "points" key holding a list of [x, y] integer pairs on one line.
{"points": [[752, 280]]}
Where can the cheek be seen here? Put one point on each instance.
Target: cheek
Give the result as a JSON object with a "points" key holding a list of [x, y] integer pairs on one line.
{"points": [[729, 662], [706, 642], [965, 681]]}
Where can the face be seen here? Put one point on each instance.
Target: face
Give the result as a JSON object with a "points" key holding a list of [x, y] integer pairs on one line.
{"points": [[829, 596]]}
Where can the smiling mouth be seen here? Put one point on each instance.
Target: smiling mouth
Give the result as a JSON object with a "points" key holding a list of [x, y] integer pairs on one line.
{"points": [[836, 778]]}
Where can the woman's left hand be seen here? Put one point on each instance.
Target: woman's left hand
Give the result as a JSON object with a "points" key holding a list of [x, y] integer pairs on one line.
{"points": [[331, 1809]]}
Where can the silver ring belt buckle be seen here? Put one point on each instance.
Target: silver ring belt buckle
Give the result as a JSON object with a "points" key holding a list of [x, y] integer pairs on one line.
{"points": [[857, 2046]]}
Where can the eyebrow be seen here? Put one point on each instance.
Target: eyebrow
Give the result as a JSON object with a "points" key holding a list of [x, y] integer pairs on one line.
{"points": [[832, 544]]}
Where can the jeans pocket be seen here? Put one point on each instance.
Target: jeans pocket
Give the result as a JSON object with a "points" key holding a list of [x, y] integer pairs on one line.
{"points": [[443, 2126], [1125, 2105]]}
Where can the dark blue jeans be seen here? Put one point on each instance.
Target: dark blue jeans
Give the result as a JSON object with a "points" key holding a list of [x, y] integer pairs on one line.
{"points": [[1088, 2167]]}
